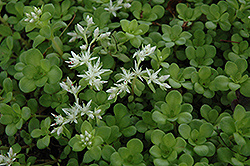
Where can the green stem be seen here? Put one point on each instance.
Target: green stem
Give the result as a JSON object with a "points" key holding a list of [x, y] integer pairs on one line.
{"points": [[39, 116], [68, 25]]}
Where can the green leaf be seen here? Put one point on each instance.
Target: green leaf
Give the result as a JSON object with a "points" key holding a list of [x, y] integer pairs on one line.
{"points": [[38, 40], [86, 126], [26, 113], [136, 42], [159, 117], [239, 113], [201, 150], [225, 154], [125, 25], [184, 117], [46, 31], [221, 82], [245, 88], [26, 85], [107, 151], [239, 139], [227, 125], [135, 145], [104, 132], [45, 16], [54, 75], [198, 88], [33, 57], [161, 162], [210, 25], [231, 68], [204, 72], [7, 85], [206, 130], [9, 42], [174, 98], [10, 129], [120, 111], [116, 159], [57, 45], [36, 133], [155, 151], [156, 136], [169, 140], [129, 131], [184, 130], [6, 119], [95, 153], [187, 159]]}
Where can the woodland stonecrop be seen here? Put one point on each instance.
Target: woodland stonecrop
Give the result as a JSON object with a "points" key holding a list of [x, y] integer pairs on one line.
{"points": [[116, 82]]}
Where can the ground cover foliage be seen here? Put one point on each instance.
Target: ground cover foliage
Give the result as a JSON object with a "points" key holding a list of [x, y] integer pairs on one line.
{"points": [[143, 82]]}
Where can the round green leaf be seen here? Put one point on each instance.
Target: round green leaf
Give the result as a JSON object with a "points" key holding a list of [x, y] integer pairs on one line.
{"points": [[174, 98], [27, 85], [156, 136], [10, 129], [201, 150], [184, 117], [54, 75], [33, 57], [135, 145], [245, 88]]}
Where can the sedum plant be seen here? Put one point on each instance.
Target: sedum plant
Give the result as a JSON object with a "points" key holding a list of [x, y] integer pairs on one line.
{"points": [[122, 82]]}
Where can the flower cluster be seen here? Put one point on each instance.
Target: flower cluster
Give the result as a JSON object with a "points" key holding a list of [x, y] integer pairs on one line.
{"points": [[86, 139], [34, 16], [127, 76], [8, 160], [83, 33], [74, 112], [119, 4]]}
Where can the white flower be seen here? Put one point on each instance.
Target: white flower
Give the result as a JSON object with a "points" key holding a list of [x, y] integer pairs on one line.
{"points": [[126, 76], [34, 16], [97, 113], [75, 60], [123, 87], [72, 115], [140, 56], [94, 74], [97, 83], [68, 86], [160, 81], [85, 109], [137, 71], [8, 160], [83, 47], [96, 32], [74, 36], [249, 17], [112, 9], [86, 57], [58, 118], [104, 36], [89, 20], [153, 77], [119, 2], [127, 5], [79, 29], [58, 130], [148, 50], [113, 92]]}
